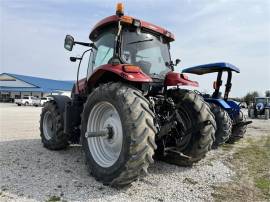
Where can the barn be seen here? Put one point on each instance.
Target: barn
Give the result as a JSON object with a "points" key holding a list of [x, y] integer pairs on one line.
{"points": [[15, 86]]}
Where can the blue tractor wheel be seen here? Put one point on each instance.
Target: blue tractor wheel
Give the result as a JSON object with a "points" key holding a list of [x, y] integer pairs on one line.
{"points": [[224, 125], [238, 130]]}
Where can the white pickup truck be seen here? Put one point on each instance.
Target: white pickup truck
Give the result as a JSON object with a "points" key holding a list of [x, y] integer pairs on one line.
{"points": [[43, 100], [28, 101]]}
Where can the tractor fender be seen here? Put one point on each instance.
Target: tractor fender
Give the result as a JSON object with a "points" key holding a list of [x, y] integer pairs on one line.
{"points": [[176, 79], [118, 71], [61, 101], [219, 102], [234, 105]]}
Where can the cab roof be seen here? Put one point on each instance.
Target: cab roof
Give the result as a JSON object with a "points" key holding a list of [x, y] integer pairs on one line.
{"points": [[129, 20], [210, 68]]}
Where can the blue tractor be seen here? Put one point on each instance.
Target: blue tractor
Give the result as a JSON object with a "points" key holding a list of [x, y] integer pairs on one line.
{"points": [[261, 106], [231, 122]]}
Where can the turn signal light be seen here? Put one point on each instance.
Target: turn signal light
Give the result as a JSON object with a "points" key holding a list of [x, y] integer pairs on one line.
{"points": [[127, 19], [131, 69]]}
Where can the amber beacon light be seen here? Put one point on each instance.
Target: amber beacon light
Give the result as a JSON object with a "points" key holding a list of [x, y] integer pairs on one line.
{"points": [[120, 9]]}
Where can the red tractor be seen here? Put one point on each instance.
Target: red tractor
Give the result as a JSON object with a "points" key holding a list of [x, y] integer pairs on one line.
{"points": [[130, 107]]}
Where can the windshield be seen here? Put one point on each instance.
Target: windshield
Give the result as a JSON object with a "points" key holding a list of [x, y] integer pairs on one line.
{"points": [[147, 51], [261, 100]]}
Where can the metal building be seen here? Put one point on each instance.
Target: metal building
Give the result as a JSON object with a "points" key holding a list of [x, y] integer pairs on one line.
{"points": [[14, 86]]}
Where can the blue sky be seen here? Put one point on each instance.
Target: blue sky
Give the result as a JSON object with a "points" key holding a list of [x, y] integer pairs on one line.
{"points": [[236, 31]]}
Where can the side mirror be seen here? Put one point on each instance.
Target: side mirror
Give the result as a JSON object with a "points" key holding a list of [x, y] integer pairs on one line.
{"points": [[177, 61], [69, 42]]}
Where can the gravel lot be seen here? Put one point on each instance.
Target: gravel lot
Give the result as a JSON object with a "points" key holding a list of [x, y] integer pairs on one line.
{"points": [[29, 172]]}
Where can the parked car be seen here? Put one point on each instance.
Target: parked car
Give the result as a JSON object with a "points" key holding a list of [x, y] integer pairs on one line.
{"points": [[43, 100], [28, 101]]}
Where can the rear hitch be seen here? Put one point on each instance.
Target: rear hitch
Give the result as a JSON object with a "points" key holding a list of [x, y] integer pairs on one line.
{"points": [[243, 123], [175, 151]]}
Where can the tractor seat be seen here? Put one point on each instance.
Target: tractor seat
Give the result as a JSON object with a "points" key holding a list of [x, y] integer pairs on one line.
{"points": [[144, 65]]}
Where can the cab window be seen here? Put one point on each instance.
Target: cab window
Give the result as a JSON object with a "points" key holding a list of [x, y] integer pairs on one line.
{"points": [[105, 49]]}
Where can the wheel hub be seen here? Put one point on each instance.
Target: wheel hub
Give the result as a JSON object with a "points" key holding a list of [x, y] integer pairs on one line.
{"points": [[105, 149], [48, 125]]}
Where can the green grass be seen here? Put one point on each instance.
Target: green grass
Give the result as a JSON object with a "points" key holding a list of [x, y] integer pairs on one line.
{"points": [[251, 161], [54, 199], [263, 184]]}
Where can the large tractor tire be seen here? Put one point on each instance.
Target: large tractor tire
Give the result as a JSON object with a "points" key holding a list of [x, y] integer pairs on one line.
{"points": [[120, 158], [266, 114], [51, 127], [224, 125], [238, 131], [194, 111]]}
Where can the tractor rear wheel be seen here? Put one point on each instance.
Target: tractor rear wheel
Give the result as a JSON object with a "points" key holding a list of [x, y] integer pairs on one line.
{"points": [[118, 158], [194, 111], [238, 131], [224, 125], [51, 127]]}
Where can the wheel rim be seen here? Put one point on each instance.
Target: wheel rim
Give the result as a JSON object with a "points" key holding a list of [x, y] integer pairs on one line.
{"points": [[105, 150], [48, 125]]}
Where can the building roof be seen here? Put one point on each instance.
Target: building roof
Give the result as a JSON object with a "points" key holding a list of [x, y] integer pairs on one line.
{"points": [[41, 84]]}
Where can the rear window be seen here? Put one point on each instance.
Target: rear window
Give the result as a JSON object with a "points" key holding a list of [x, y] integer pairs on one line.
{"points": [[25, 98]]}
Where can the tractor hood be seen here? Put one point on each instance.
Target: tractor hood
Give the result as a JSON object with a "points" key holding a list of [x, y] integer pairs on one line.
{"points": [[211, 68]]}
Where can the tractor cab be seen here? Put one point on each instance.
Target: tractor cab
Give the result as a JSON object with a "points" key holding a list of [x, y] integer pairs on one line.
{"points": [[126, 48], [262, 100]]}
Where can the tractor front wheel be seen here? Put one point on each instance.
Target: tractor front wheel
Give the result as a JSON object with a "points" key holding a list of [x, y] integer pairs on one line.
{"points": [[238, 130], [266, 114], [51, 127], [117, 157]]}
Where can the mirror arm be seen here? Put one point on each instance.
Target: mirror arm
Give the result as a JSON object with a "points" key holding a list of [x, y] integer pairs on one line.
{"points": [[92, 45], [82, 43]]}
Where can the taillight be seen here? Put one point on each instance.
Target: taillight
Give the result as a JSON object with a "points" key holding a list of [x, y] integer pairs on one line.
{"points": [[131, 69]]}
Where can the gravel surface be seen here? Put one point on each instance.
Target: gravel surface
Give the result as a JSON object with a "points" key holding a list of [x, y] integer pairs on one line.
{"points": [[29, 172]]}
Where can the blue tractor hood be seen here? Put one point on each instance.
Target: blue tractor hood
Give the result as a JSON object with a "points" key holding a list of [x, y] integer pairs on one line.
{"points": [[211, 68]]}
